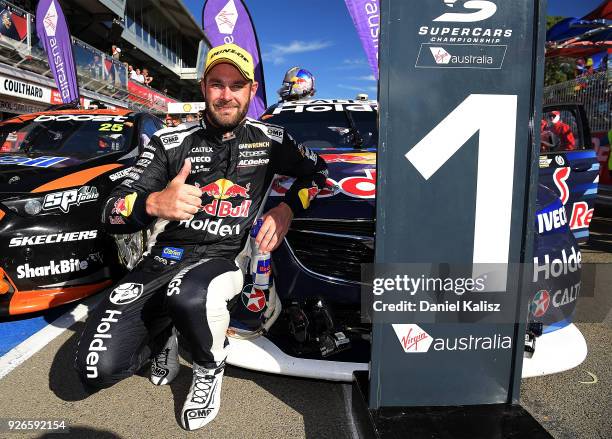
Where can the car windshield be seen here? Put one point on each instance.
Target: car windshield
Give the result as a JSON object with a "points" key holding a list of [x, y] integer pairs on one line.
{"points": [[329, 126], [67, 134]]}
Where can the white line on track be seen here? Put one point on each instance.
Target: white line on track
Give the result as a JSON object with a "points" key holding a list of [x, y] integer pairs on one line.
{"points": [[347, 391], [40, 339]]}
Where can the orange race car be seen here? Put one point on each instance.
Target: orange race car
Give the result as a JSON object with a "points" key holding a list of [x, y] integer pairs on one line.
{"points": [[56, 168]]}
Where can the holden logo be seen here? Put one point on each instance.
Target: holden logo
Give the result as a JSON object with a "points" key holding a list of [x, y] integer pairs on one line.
{"points": [[50, 20], [477, 11], [440, 55], [14, 179], [539, 304], [226, 18], [412, 338], [253, 299], [126, 293]]}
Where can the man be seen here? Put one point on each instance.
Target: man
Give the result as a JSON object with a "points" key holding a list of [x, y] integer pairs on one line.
{"points": [[561, 132], [297, 84], [7, 28], [199, 187]]}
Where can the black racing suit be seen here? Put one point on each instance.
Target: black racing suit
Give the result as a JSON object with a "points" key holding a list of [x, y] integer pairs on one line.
{"points": [[188, 272]]}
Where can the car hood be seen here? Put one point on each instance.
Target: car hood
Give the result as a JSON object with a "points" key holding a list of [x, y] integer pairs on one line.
{"points": [[21, 173], [350, 192]]}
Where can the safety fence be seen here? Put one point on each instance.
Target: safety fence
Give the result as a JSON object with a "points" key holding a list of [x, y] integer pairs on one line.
{"points": [[593, 91]]}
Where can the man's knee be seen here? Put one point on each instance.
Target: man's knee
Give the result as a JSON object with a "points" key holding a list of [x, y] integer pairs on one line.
{"points": [[95, 365]]}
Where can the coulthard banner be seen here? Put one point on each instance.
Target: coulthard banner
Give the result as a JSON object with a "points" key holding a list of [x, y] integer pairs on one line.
{"points": [[55, 37], [366, 17], [229, 21], [458, 93]]}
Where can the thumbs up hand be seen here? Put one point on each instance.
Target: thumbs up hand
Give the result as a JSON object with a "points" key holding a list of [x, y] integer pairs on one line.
{"points": [[179, 201]]}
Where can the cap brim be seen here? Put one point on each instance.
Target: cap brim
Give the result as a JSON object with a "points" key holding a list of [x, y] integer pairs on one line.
{"points": [[227, 61]]}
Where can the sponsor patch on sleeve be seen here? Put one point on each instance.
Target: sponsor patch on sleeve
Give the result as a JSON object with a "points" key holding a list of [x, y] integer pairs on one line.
{"points": [[173, 253]]}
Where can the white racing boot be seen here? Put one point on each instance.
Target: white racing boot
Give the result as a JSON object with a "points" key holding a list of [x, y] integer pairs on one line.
{"points": [[204, 397], [165, 365]]}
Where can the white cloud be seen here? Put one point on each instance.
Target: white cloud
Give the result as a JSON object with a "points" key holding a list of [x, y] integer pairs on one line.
{"points": [[358, 88], [277, 55], [365, 78]]}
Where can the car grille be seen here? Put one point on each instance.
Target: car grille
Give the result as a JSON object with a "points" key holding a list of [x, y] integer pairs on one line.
{"points": [[333, 248]]}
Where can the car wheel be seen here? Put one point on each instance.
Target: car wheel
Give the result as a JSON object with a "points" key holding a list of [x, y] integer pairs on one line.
{"points": [[130, 248]]}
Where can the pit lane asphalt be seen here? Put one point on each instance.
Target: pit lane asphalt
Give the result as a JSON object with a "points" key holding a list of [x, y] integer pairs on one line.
{"points": [[256, 405]]}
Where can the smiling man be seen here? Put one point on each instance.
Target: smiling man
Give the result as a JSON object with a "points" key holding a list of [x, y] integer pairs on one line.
{"points": [[198, 187]]}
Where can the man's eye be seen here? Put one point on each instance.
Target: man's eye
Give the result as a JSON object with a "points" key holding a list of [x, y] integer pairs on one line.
{"points": [[237, 87]]}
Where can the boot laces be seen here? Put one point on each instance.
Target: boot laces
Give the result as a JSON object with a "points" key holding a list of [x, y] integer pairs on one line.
{"points": [[204, 380]]}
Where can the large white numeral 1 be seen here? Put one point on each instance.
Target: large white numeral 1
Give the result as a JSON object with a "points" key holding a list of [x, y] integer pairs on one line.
{"points": [[494, 117]]}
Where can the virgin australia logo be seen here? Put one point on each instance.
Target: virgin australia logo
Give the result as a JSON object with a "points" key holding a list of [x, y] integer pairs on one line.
{"points": [[481, 11], [50, 20], [226, 18], [440, 55], [412, 338]]}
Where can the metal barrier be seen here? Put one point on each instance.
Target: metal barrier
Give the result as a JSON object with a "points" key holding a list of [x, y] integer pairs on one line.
{"points": [[96, 70], [593, 91]]}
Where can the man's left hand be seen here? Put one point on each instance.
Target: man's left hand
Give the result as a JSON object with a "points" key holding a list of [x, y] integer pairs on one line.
{"points": [[275, 225]]}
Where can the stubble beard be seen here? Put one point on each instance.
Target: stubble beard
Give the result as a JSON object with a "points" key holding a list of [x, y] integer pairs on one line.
{"points": [[223, 122]]}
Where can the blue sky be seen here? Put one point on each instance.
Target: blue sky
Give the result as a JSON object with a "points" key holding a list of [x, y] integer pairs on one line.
{"points": [[319, 35]]}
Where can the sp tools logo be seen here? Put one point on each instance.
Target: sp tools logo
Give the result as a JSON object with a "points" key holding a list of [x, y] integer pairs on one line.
{"points": [[226, 18], [221, 190], [474, 10], [412, 338], [65, 199]]}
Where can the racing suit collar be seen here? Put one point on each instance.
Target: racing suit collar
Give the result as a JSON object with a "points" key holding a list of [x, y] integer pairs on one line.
{"points": [[221, 135]]}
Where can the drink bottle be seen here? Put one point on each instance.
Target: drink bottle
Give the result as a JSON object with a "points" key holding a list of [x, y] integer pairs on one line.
{"points": [[261, 266]]}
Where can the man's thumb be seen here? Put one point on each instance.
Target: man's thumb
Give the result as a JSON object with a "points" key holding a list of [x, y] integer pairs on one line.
{"points": [[184, 172]]}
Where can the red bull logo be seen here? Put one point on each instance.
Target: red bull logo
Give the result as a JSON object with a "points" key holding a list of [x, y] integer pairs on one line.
{"points": [[221, 190]]}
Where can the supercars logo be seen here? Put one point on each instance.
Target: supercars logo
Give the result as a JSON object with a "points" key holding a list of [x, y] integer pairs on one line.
{"points": [[477, 10], [126, 293], [412, 338], [560, 178], [65, 199], [222, 189], [226, 18], [253, 299], [539, 304]]}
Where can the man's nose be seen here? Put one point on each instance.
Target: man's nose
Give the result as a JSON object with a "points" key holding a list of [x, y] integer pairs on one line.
{"points": [[226, 93]]}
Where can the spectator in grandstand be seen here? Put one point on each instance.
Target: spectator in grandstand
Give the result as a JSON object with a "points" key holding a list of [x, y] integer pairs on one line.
{"points": [[172, 120], [7, 28], [116, 52], [95, 67], [562, 137], [580, 67], [147, 78], [139, 76]]}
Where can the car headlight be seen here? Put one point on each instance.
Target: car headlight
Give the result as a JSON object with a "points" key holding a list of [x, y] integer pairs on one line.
{"points": [[32, 207], [22, 207]]}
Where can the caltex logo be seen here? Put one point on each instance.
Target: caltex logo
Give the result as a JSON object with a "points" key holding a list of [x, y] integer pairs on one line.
{"points": [[226, 18], [539, 304], [254, 299], [412, 338], [50, 20], [440, 55]]}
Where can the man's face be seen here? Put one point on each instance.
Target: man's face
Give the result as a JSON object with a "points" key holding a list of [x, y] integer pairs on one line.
{"points": [[227, 95]]}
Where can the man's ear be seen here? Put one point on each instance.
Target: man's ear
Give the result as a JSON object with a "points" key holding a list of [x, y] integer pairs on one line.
{"points": [[254, 86], [203, 87]]}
